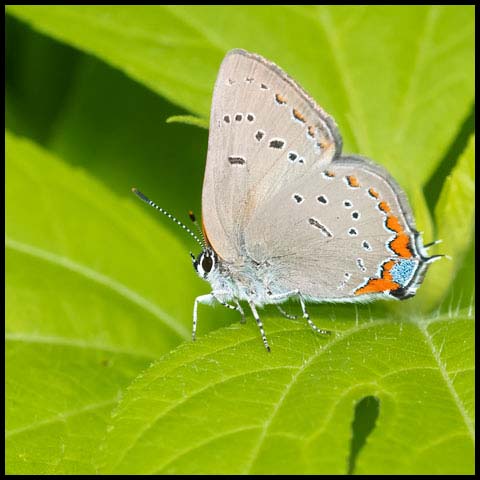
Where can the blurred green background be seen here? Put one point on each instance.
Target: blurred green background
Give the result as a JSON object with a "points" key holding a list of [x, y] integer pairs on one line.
{"points": [[99, 287]]}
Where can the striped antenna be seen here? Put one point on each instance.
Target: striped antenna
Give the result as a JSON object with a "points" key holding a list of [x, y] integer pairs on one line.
{"points": [[141, 196], [194, 221]]}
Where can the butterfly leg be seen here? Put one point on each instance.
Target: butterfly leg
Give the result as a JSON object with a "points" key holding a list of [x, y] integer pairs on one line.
{"points": [[284, 296], [260, 324], [205, 299], [242, 313], [236, 307], [225, 304], [306, 316], [285, 314]]}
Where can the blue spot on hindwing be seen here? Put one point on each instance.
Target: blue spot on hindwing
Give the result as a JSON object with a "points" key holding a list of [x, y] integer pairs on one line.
{"points": [[403, 270]]}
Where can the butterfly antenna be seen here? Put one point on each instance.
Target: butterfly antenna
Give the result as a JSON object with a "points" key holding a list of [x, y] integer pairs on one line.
{"points": [[141, 196], [194, 221]]}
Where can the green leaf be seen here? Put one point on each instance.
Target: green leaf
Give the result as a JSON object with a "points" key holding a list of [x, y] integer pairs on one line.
{"points": [[188, 120], [224, 405], [423, 218], [115, 128], [38, 78], [454, 215], [87, 307], [379, 70], [461, 293]]}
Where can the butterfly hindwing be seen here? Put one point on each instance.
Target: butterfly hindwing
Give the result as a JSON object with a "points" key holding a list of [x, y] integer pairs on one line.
{"points": [[346, 234]]}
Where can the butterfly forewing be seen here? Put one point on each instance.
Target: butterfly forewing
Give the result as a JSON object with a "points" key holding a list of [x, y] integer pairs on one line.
{"points": [[265, 134]]}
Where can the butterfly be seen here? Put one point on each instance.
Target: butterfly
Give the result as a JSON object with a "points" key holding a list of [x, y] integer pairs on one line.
{"points": [[285, 215]]}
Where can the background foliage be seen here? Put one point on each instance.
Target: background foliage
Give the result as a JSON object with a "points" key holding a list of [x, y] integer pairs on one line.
{"points": [[101, 376]]}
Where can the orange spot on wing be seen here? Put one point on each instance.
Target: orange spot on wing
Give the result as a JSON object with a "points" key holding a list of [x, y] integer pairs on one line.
{"points": [[401, 245], [353, 181], [329, 173], [384, 206], [393, 224], [311, 131], [382, 284], [298, 115], [281, 100]]}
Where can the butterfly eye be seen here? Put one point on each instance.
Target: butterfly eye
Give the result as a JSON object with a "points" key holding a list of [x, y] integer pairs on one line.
{"points": [[207, 264]]}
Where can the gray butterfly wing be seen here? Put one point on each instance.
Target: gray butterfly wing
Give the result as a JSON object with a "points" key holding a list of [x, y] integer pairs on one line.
{"points": [[265, 132], [344, 234]]}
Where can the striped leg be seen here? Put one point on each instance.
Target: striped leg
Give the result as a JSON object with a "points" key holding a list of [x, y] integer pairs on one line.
{"points": [[242, 313], [207, 299], [307, 317], [285, 314], [236, 307], [260, 324], [225, 304]]}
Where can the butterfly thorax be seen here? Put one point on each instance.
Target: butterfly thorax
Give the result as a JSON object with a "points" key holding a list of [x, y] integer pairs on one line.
{"points": [[248, 280]]}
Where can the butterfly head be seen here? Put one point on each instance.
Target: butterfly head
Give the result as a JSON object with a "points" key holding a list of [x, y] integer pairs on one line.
{"points": [[205, 263]]}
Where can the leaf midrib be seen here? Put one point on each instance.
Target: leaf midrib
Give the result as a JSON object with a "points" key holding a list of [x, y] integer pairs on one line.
{"points": [[407, 103]]}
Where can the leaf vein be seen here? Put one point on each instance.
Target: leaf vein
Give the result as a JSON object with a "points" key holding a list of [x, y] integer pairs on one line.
{"points": [[101, 279], [459, 404], [201, 444], [61, 417], [70, 342]]}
